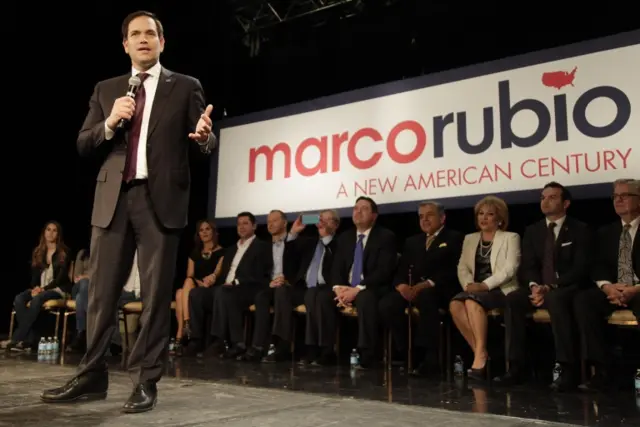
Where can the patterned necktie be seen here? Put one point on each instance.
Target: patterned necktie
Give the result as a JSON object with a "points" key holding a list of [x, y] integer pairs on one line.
{"points": [[430, 240], [548, 263], [134, 133], [358, 256], [314, 267], [625, 266]]}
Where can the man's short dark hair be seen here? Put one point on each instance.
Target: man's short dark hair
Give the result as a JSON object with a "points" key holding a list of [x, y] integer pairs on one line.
{"points": [[565, 194], [130, 17], [374, 206], [282, 214], [249, 215]]}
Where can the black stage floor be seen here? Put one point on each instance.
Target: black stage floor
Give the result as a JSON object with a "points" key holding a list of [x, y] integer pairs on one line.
{"points": [[23, 377]]}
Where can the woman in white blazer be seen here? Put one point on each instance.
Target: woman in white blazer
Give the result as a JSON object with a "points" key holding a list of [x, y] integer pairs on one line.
{"points": [[487, 272]]}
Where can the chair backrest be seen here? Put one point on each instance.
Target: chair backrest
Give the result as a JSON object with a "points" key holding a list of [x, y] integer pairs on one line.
{"points": [[71, 268]]}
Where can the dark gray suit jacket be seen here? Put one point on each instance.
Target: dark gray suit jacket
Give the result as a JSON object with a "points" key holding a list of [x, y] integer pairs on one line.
{"points": [[176, 109]]}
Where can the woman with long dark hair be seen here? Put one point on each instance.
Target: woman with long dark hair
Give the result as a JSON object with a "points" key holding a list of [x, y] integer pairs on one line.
{"points": [[203, 266], [49, 280]]}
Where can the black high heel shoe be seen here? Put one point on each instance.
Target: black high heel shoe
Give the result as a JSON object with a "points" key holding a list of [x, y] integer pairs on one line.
{"points": [[478, 374]]}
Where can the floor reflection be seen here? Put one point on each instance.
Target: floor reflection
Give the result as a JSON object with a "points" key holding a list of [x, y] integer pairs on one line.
{"points": [[532, 401]]}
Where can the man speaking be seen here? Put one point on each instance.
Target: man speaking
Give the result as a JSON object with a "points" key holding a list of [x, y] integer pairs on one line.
{"points": [[141, 130]]}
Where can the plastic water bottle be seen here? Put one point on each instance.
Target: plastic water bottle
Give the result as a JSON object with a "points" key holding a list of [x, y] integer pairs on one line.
{"points": [[458, 366], [557, 371], [637, 383], [56, 346], [42, 349], [272, 350], [49, 346], [172, 344], [354, 359]]}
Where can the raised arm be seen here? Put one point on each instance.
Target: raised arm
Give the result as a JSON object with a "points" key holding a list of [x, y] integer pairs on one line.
{"points": [[200, 125]]}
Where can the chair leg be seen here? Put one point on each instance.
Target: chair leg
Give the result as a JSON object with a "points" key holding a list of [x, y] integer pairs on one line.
{"points": [[449, 355], [441, 338], [65, 321], [247, 329], [389, 348], [126, 331], [294, 329], [409, 341], [12, 324], [57, 329]]}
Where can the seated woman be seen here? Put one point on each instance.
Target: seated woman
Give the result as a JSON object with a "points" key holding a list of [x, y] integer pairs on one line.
{"points": [[80, 294], [203, 266], [487, 271], [49, 280]]}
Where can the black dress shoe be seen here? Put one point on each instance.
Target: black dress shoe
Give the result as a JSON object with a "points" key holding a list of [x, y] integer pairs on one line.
{"points": [[599, 383], [426, 370], [510, 378], [142, 399], [233, 352], [252, 355], [89, 386], [565, 382]]}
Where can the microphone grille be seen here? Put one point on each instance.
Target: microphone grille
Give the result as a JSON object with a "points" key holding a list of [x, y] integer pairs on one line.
{"points": [[134, 81]]}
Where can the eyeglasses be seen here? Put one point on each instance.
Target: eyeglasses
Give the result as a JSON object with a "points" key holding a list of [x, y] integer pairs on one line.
{"points": [[623, 196]]}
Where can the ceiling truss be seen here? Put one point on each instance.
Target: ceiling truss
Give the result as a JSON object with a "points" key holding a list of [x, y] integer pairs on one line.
{"points": [[259, 15]]}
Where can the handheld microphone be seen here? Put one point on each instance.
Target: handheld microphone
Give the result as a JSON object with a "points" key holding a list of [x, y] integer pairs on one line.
{"points": [[134, 84]]}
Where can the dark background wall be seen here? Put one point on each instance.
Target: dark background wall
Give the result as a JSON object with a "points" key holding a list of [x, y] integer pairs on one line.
{"points": [[54, 54]]}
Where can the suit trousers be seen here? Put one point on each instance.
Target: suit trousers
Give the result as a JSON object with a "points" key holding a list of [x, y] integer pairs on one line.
{"points": [[283, 299], [559, 303], [230, 304], [592, 308], [202, 302], [134, 226], [366, 303], [429, 302]]}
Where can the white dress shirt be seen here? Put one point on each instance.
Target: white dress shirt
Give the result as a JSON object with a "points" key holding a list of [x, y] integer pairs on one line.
{"points": [[150, 87], [242, 249]]}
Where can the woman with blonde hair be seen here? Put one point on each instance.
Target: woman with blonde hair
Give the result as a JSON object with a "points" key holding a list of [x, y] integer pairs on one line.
{"points": [[487, 272]]}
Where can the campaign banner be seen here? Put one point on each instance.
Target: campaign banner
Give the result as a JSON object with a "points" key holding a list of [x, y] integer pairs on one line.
{"points": [[568, 116]]}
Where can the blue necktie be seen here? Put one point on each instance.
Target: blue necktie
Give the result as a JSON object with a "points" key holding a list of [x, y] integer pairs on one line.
{"points": [[358, 256], [314, 267]]}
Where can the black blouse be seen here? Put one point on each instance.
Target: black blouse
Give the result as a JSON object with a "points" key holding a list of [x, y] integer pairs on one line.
{"points": [[483, 262], [202, 265]]}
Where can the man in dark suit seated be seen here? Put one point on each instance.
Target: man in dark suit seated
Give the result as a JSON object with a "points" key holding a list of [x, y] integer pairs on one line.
{"points": [[315, 258], [555, 264], [246, 270], [427, 278], [362, 272], [284, 264], [616, 272]]}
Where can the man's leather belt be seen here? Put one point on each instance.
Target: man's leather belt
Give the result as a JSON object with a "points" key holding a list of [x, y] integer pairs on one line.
{"points": [[126, 186]]}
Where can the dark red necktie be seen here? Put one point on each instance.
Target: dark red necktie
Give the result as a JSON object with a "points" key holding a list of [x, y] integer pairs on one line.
{"points": [[548, 262], [134, 132]]}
